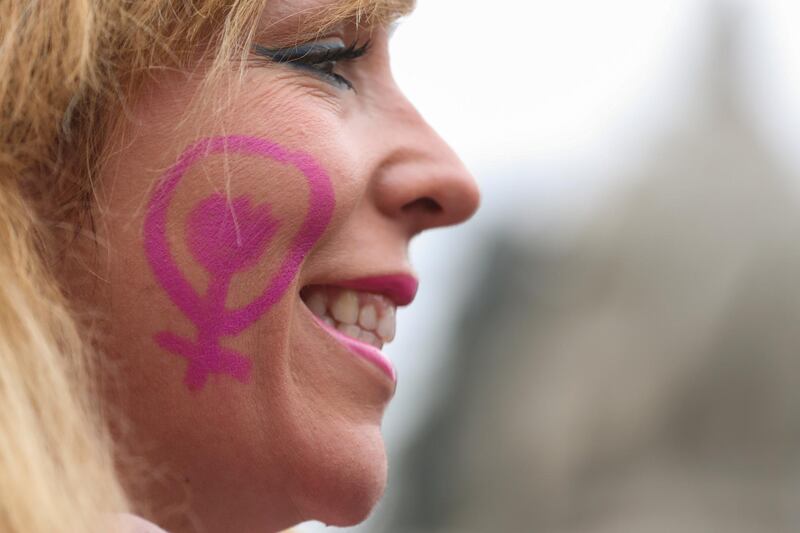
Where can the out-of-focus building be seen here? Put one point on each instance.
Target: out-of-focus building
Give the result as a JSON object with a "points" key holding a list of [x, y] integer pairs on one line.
{"points": [[648, 379]]}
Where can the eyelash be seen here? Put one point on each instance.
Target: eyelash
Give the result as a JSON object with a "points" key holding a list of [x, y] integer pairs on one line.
{"points": [[318, 58]]}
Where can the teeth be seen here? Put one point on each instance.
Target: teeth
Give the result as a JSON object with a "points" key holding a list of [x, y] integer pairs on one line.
{"points": [[345, 307], [318, 303], [350, 330], [367, 317], [371, 338], [387, 325]]}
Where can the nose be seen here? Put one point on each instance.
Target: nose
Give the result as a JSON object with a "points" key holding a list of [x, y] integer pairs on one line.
{"points": [[421, 182]]}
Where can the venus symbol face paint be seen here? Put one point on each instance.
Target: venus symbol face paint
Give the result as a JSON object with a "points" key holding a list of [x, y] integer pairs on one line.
{"points": [[227, 236]]}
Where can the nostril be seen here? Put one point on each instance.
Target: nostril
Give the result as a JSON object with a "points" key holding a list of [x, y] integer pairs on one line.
{"points": [[426, 205]]}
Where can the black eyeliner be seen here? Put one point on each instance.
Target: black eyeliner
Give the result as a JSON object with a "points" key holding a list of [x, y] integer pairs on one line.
{"points": [[313, 56], [312, 52]]}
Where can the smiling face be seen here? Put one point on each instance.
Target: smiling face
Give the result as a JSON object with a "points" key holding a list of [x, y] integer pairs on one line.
{"points": [[255, 242]]}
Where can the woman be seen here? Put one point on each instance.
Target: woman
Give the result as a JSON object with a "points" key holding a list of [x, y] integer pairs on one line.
{"points": [[205, 209]]}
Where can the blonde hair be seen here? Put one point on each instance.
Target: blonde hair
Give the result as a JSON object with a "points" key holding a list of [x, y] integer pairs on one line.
{"points": [[65, 66]]}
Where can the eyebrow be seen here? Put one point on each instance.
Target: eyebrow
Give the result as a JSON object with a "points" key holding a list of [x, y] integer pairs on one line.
{"points": [[325, 15], [368, 11]]}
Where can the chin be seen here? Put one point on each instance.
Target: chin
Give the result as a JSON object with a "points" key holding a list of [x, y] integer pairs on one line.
{"points": [[342, 480]]}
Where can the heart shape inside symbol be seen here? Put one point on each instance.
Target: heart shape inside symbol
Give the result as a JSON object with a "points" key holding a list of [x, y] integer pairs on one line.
{"points": [[228, 236]]}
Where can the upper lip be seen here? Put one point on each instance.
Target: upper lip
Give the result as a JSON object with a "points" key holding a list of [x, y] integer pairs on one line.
{"points": [[400, 288]]}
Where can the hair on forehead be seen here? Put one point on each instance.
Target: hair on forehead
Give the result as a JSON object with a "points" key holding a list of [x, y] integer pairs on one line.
{"points": [[361, 12], [376, 11]]}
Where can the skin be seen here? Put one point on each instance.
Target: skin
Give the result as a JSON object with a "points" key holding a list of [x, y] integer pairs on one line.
{"points": [[299, 438]]}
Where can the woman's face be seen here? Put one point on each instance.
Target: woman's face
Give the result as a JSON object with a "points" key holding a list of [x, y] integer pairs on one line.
{"points": [[255, 247]]}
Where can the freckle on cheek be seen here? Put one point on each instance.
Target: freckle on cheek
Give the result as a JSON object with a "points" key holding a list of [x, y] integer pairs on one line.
{"points": [[226, 236]]}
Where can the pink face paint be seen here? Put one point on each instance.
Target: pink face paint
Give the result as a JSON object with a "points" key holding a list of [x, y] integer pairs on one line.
{"points": [[227, 237]]}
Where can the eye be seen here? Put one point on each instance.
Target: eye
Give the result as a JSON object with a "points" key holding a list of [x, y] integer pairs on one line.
{"points": [[318, 57]]}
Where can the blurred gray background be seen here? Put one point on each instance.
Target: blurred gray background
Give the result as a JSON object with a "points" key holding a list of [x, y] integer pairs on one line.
{"points": [[613, 343]]}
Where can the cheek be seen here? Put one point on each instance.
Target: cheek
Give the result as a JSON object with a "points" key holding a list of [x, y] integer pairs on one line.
{"points": [[229, 234], [217, 233]]}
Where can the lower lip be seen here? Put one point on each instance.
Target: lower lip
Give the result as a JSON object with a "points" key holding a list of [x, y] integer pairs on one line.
{"points": [[363, 350]]}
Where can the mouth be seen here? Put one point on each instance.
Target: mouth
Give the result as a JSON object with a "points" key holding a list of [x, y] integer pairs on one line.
{"points": [[362, 314]]}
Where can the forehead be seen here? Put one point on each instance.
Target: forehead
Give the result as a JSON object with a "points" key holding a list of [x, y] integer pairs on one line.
{"points": [[309, 17]]}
